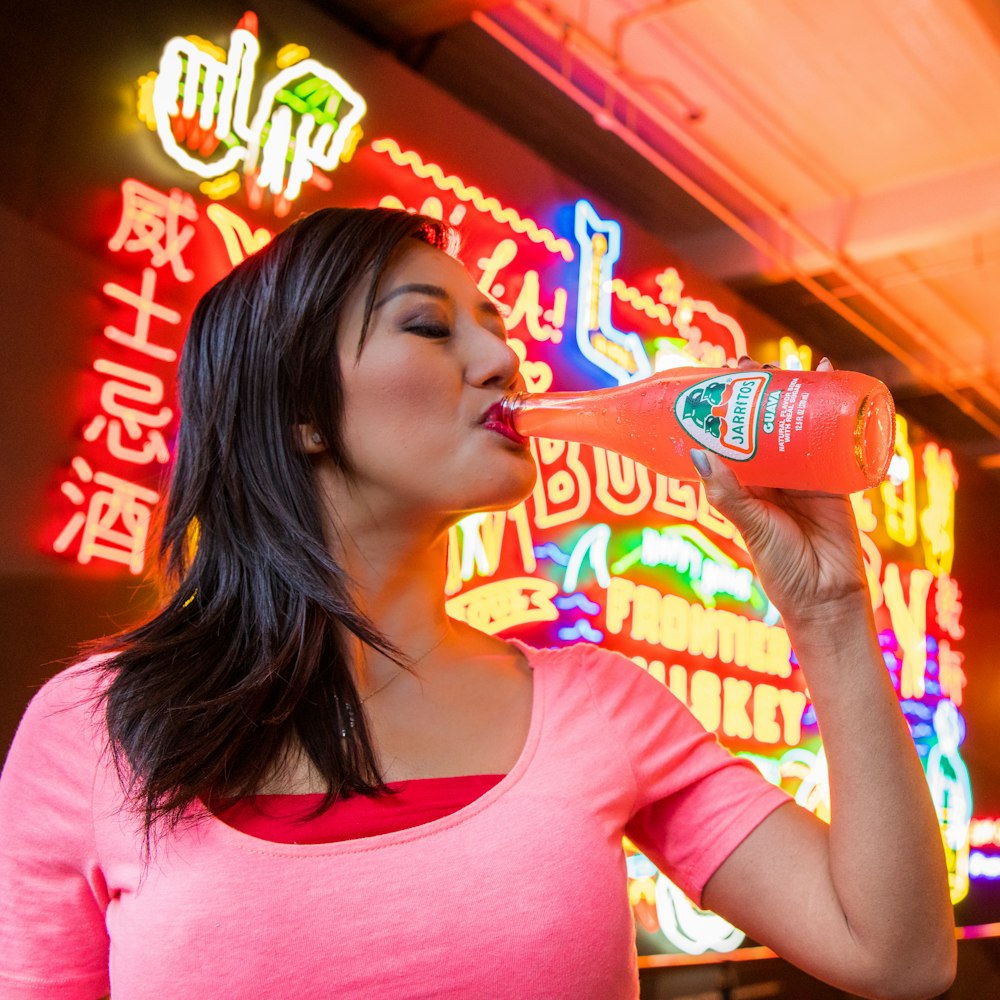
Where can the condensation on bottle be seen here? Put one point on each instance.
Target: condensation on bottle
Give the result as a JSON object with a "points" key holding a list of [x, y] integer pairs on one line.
{"points": [[828, 431]]}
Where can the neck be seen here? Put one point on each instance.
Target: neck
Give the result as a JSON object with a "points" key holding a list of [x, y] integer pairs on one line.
{"points": [[401, 587], [396, 559], [399, 575]]}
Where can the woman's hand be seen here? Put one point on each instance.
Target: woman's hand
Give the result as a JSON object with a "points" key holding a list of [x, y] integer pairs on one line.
{"points": [[804, 545]]}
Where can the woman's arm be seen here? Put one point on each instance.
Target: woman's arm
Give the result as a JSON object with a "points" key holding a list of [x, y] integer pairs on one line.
{"points": [[863, 903]]}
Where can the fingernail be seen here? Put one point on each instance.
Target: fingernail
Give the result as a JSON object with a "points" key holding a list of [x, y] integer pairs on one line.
{"points": [[742, 358], [824, 361], [700, 461]]}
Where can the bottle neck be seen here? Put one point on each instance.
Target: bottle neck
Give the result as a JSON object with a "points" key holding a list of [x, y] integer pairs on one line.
{"points": [[577, 416], [553, 414]]}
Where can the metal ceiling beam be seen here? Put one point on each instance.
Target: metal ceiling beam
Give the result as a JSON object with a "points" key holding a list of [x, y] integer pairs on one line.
{"points": [[402, 21], [903, 219]]}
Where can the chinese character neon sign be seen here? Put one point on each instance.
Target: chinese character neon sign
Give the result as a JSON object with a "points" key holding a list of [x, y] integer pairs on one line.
{"points": [[112, 516]]}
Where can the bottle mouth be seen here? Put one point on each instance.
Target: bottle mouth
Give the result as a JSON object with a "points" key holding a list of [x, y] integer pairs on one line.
{"points": [[507, 408], [875, 435]]}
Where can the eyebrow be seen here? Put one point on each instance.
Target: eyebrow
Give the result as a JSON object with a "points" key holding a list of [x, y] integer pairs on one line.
{"points": [[437, 292]]}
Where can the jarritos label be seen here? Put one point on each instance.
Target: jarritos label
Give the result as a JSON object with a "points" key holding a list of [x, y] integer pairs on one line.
{"points": [[722, 413]]}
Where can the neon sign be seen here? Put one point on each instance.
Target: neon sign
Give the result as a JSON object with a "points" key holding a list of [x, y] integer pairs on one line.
{"points": [[486, 204], [708, 569], [504, 604], [112, 522], [690, 928], [157, 224], [115, 523], [621, 355], [307, 116], [948, 778]]}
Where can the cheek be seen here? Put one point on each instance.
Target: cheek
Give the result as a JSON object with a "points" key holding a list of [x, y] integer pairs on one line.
{"points": [[393, 408]]}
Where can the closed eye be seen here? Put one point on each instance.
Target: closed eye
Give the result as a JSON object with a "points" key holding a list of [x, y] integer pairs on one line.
{"points": [[433, 331]]}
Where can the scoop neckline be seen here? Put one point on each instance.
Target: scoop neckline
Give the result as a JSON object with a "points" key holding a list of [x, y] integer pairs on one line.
{"points": [[394, 785], [210, 823]]}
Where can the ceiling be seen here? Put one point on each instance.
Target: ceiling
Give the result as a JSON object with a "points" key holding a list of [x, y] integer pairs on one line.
{"points": [[838, 164]]}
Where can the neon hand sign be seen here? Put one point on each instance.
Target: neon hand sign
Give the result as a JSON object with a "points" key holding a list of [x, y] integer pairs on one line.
{"points": [[305, 119]]}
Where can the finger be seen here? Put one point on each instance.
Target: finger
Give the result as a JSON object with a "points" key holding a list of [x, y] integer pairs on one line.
{"points": [[824, 365], [724, 491], [718, 478]]}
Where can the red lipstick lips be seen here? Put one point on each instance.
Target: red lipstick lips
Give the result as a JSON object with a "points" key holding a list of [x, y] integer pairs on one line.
{"points": [[493, 421]]}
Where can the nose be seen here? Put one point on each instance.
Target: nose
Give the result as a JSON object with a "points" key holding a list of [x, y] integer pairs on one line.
{"points": [[493, 363]]}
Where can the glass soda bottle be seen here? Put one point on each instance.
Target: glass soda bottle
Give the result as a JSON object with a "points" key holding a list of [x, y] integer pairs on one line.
{"points": [[829, 431]]}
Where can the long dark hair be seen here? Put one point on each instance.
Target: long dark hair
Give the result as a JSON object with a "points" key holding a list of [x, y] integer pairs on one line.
{"points": [[249, 654]]}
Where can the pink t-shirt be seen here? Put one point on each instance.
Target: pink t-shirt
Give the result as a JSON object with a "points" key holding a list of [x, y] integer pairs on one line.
{"points": [[521, 894]]}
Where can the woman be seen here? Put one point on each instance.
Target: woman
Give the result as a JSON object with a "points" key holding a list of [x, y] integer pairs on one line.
{"points": [[320, 785]]}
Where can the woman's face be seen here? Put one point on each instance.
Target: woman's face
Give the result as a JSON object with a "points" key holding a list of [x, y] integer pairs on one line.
{"points": [[435, 359]]}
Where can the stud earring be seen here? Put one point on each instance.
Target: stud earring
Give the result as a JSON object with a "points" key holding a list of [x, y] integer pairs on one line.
{"points": [[317, 438]]}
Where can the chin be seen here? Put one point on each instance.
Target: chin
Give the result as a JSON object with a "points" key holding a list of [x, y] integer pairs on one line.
{"points": [[504, 492]]}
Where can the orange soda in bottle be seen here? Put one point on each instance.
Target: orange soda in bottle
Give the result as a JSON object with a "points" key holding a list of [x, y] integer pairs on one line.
{"points": [[828, 431]]}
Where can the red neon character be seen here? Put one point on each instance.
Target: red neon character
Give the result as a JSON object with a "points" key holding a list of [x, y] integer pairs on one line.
{"points": [[116, 395], [115, 525], [948, 606], [146, 310], [951, 674], [151, 221]]}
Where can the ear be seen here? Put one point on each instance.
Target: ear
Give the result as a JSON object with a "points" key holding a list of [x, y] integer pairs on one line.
{"points": [[310, 439]]}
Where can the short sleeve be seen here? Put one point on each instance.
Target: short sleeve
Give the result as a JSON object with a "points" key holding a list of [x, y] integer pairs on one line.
{"points": [[53, 939], [696, 802]]}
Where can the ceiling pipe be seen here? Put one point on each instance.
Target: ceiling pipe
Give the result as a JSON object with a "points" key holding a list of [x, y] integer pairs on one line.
{"points": [[921, 272], [693, 112], [565, 30], [790, 146]]}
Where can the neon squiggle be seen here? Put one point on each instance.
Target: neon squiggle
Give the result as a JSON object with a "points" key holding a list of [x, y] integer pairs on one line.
{"points": [[662, 313], [580, 601], [469, 193], [581, 629], [552, 551], [641, 302]]}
